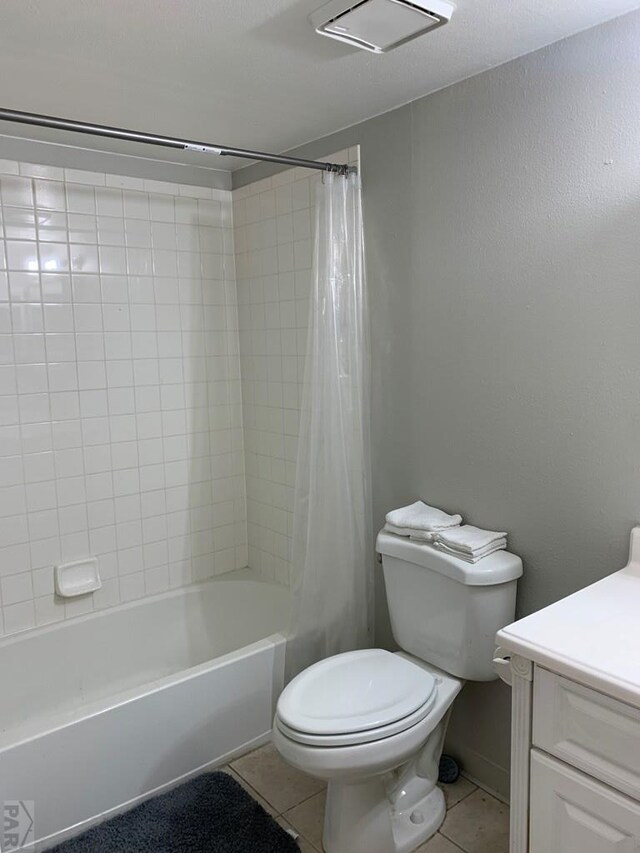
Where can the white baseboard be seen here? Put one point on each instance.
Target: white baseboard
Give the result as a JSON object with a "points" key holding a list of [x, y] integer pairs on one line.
{"points": [[480, 770]]}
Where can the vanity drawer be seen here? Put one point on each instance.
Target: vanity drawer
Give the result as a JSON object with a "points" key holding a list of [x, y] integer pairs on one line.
{"points": [[587, 729], [572, 813]]}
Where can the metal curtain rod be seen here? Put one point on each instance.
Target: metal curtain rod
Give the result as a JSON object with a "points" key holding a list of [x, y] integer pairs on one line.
{"points": [[167, 141]]}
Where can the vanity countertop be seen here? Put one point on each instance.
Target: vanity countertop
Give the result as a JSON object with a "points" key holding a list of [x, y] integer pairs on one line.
{"points": [[592, 636]]}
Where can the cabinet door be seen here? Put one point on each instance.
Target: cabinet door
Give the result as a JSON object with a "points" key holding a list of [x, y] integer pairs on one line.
{"points": [[572, 813]]}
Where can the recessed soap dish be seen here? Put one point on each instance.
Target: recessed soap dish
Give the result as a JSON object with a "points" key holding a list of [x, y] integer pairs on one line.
{"points": [[79, 578]]}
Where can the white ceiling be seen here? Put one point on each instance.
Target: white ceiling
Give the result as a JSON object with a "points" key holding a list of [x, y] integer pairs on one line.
{"points": [[247, 73]]}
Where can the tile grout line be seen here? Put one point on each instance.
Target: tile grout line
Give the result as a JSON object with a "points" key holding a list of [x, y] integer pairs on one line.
{"points": [[280, 814], [462, 799], [457, 846], [259, 797], [306, 800], [466, 796], [302, 835]]}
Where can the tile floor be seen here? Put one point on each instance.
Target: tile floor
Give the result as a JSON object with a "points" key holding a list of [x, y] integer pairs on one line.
{"points": [[476, 822]]}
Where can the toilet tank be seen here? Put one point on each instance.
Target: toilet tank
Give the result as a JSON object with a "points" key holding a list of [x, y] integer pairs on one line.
{"points": [[446, 611]]}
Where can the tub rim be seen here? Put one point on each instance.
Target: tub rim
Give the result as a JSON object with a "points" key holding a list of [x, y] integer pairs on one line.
{"points": [[87, 710], [235, 576]]}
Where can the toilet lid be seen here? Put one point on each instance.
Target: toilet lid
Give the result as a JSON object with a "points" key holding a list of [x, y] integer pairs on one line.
{"points": [[355, 692]]}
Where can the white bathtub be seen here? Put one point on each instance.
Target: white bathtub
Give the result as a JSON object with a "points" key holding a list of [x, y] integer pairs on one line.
{"points": [[99, 712]]}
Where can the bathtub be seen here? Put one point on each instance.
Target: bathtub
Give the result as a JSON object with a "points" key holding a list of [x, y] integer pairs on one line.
{"points": [[102, 711]]}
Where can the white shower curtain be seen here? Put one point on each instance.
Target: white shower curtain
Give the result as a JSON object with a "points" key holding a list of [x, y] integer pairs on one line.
{"points": [[332, 550]]}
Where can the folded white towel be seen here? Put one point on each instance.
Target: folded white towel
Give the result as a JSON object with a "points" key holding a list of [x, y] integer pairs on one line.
{"points": [[418, 535], [470, 540], [419, 516], [498, 545]]}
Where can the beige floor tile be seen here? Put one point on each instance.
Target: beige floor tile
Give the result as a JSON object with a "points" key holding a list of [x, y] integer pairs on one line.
{"points": [[308, 818], [478, 824], [303, 843], [455, 793], [438, 844], [281, 785], [256, 796]]}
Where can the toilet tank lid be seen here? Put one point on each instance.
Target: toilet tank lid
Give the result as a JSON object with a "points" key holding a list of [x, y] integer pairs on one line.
{"points": [[497, 568]]}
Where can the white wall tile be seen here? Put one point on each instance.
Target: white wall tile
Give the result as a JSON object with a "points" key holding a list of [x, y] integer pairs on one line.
{"points": [[107, 441], [124, 182], [17, 191], [273, 222], [109, 202], [82, 177], [9, 167], [80, 199], [265, 226], [142, 389], [19, 617]]}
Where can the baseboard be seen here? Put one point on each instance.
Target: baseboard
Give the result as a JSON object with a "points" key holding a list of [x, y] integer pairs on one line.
{"points": [[491, 777], [479, 784]]}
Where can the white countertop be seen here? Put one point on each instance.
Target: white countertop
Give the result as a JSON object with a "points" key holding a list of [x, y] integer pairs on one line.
{"points": [[592, 636]]}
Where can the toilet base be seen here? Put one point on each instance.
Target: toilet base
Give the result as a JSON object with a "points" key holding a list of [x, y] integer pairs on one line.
{"points": [[412, 828], [360, 819]]}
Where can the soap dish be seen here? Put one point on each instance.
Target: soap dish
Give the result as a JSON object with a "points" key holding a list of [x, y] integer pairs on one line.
{"points": [[79, 578]]}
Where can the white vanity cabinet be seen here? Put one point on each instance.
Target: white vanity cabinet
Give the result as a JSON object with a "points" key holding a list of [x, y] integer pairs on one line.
{"points": [[574, 668]]}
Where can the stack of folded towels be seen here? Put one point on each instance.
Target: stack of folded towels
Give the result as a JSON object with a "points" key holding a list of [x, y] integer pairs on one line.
{"points": [[424, 523], [420, 521], [470, 543]]}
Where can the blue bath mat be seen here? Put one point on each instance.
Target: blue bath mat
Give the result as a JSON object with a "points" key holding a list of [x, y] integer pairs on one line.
{"points": [[210, 814]]}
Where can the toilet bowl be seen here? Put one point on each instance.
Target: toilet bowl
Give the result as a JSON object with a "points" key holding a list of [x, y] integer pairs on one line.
{"points": [[372, 723], [356, 720]]}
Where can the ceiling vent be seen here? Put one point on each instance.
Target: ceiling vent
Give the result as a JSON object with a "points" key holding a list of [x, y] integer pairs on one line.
{"points": [[380, 25]]}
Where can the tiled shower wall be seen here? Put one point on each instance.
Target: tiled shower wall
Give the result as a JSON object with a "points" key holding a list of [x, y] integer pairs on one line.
{"points": [[273, 224], [120, 402]]}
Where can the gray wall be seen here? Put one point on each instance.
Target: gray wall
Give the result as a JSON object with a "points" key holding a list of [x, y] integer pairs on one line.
{"points": [[502, 221]]}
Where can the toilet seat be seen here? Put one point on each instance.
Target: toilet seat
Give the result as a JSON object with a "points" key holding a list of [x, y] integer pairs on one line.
{"points": [[354, 698], [354, 738]]}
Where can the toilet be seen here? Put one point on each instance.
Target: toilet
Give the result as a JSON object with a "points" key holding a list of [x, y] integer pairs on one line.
{"points": [[371, 722]]}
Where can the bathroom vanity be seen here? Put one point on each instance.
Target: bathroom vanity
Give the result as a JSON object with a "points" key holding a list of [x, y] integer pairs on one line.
{"points": [[574, 668]]}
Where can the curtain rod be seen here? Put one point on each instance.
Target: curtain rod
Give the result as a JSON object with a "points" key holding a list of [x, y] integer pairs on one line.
{"points": [[167, 141]]}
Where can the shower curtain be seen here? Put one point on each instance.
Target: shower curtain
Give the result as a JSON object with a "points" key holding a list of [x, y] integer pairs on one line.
{"points": [[332, 549]]}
